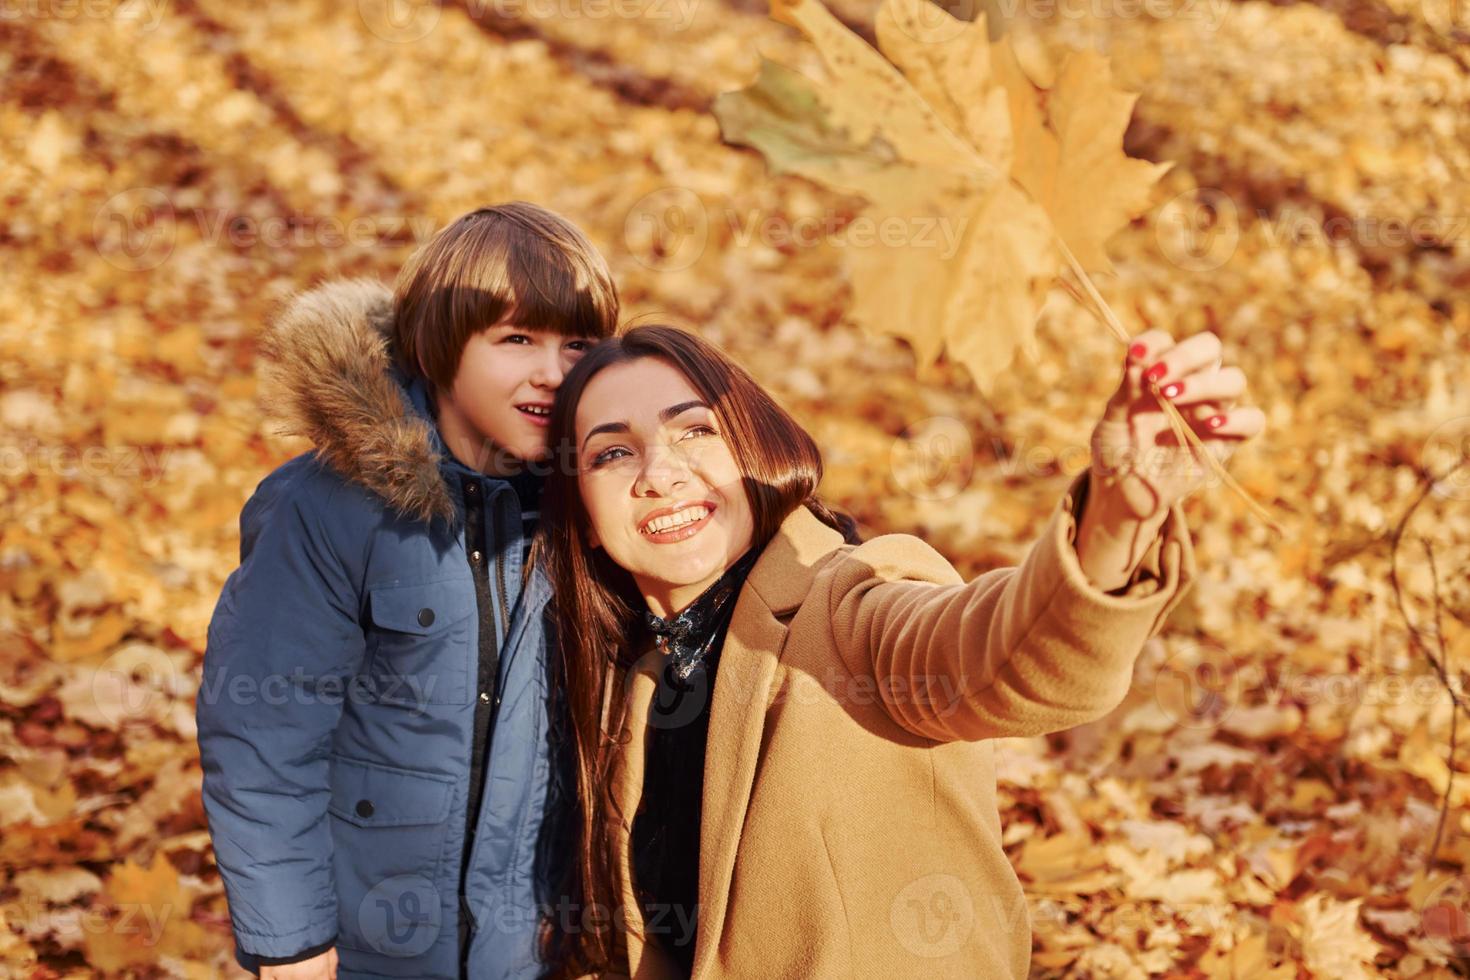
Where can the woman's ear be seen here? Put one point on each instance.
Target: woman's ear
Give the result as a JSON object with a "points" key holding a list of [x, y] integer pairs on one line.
{"points": [[592, 539]]}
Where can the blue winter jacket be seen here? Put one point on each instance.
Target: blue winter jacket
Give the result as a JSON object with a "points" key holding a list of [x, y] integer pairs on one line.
{"points": [[341, 675]]}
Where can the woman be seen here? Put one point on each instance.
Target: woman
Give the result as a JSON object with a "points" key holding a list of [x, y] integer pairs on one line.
{"points": [[788, 732]]}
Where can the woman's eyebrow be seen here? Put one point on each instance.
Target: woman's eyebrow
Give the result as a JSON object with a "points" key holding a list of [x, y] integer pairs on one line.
{"points": [[680, 409], [604, 427], [664, 415]]}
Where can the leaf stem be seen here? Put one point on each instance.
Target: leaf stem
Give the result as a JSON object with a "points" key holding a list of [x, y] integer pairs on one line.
{"points": [[1100, 309]]}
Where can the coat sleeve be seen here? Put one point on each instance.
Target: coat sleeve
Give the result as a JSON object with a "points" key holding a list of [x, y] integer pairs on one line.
{"points": [[1021, 650], [282, 645]]}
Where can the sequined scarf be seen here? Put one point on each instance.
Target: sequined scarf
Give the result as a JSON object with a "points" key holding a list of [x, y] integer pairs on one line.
{"points": [[687, 638]]}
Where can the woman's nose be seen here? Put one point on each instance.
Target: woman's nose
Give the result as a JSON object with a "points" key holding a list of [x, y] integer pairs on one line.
{"points": [[664, 471]]}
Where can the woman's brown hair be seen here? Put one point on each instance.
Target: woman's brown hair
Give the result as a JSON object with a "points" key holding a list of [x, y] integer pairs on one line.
{"points": [[597, 607]]}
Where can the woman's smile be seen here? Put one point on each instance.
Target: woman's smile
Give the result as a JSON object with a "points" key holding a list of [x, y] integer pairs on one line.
{"points": [[678, 523]]}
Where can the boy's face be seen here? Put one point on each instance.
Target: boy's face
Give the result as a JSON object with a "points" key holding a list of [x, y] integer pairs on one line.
{"points": [[500, 402]]}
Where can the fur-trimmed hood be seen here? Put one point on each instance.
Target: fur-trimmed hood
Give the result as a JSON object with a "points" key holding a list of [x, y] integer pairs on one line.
{"points": [[331, 378]]}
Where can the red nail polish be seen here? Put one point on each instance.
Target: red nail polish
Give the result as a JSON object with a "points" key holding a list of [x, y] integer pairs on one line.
{"points": [[1156, 372], [1173, 390], [1215, 421], [1136, 351]]}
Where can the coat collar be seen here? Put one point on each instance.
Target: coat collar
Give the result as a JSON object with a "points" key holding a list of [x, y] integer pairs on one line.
{"points": [[783, 575], [778, 583], [334, 379]]}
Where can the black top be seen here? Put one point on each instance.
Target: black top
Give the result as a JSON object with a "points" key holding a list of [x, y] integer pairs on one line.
{"points": [[528, 486], [479, 539], [666, 829]]}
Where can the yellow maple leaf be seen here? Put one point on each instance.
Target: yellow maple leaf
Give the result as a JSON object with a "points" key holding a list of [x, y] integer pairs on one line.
{"points": [[1248, 959], [1334, 944], [146, 916], [1073, 162], [973, 171]]}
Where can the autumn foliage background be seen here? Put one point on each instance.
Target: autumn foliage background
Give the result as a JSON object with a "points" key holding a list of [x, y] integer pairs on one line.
{"points": [[1278, 796]]}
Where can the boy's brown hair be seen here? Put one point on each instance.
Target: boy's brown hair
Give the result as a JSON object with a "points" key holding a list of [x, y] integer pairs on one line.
{"points": [[514, 262]]}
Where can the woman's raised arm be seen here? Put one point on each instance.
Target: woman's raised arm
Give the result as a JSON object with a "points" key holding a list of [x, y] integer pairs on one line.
{"points": [[1021, 650], [1050, 644]]}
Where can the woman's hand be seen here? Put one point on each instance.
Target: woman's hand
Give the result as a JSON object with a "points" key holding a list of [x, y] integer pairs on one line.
{"points": [[320, 967], [1140, 468]]}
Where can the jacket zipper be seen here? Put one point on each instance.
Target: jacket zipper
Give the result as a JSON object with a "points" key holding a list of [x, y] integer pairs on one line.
{"points": [[500, 579], [502, 633]]}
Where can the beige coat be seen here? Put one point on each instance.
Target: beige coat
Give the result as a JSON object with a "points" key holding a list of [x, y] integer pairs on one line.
{"points": [[850, 820]]}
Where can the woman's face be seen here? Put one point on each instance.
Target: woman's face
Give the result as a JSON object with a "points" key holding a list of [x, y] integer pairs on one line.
{"points": [[659, 482]]}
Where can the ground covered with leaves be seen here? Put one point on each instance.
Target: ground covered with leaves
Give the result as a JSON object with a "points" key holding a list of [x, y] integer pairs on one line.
{"points": [[1278, 795]]}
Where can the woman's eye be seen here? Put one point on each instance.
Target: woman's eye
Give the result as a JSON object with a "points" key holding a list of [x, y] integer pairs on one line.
{"points": [[516, 337], [606, 456], [579, 346], [699, 430]]}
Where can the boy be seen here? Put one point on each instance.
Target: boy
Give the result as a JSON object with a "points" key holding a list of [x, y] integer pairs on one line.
{"points": [[379, 780]]}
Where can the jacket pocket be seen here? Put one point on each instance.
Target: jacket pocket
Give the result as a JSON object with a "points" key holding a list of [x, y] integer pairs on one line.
{"points": [[388, 835], [420, 640]]}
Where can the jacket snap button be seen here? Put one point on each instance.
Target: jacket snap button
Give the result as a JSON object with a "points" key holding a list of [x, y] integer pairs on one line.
{"points": [[364, 808], [426, 617], [475, 557]]}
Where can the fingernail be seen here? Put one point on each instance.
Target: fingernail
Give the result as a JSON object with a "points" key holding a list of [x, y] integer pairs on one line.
{"points": [[1136, 351], [1156, 372], [1173, 390], [1215, 421]]}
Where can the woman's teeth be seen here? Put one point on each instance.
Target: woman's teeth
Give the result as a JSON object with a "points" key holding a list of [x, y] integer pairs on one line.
{"points": [[535, 410], [670, 521]]}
